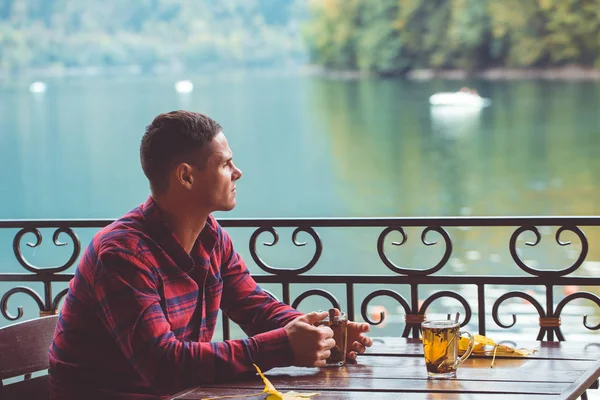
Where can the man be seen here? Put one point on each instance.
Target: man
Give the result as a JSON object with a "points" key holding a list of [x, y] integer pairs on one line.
{"points": [[141, 310]]}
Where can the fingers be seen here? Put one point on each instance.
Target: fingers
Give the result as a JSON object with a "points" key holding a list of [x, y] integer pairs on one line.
{"points": [[325, 352], [358, 347], [357, 333], [328, 344], [365, 340], [325, 332], [325, 355], [362, 327], [313, 317]]}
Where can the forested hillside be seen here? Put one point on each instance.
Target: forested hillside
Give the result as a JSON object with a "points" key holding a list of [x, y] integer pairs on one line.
{"points": [[394, 36], [380, 36], [149, 33]]}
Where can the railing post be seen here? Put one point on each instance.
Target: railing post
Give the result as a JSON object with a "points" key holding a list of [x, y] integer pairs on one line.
{"points": [[350, 301], [481, 308]]}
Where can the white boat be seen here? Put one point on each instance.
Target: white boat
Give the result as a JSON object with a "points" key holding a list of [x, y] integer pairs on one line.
{"points": [[37, 87], [459, 99], [184, 86]]}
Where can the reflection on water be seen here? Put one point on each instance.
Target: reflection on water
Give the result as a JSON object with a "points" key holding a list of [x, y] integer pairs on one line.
{"points": [[335, 148], [455, 122], [530, 153], [315, 147]]}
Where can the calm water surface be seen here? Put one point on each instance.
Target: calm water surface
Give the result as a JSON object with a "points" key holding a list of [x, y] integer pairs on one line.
{"points": [[310, 146], [313, 147]]}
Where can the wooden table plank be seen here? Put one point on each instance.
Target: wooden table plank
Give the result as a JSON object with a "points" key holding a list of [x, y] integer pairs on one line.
{"points": [[202, 393], [583, 382], [395, 367], [309, 384], [545, 350], [473, 369]]}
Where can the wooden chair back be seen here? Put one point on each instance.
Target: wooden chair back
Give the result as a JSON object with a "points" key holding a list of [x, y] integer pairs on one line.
{"points": [[24, 349]]}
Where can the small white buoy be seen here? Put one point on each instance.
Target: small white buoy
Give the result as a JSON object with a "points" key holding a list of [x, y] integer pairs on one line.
{"points": [[184, 86], [37, 87]]}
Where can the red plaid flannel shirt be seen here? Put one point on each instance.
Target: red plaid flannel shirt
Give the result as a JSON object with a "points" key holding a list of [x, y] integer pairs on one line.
{"points": [[140, 313]]}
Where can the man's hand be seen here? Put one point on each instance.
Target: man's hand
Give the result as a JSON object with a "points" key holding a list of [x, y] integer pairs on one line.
{"points": [[357, 341], [311, 345]]}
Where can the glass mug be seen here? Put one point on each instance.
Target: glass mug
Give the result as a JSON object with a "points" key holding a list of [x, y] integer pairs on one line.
{"points": [[339, 326], [440, 347]]}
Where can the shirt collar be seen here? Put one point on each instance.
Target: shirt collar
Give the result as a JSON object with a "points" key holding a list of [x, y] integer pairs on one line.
{"points": [[166, 239]]}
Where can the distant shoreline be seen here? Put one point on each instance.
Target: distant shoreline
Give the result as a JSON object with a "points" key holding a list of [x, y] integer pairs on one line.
{"points": [[570, 73], [33, 74], [492, 74]]}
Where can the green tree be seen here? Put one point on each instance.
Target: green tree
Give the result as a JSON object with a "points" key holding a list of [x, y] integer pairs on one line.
{"points": [[394, 36], [149, 33]]}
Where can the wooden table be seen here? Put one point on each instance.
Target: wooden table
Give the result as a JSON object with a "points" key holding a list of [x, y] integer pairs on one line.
{"points": [[395, 369]]}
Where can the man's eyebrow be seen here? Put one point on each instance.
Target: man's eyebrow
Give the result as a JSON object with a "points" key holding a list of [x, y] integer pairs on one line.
{"points": [[226, 157]]}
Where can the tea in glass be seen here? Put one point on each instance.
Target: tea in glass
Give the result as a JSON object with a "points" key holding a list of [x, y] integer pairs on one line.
{"points": [[440, 347], [339, 326]]}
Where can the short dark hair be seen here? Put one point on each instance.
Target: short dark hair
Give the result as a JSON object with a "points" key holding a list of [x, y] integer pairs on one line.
{"points": [[172, 138]]}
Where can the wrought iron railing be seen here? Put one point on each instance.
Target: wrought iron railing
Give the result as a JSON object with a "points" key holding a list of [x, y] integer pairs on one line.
{"points": [[413, 279]]}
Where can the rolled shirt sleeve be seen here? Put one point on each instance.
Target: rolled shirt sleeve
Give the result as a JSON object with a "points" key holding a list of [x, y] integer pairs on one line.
{"points": [[126, 290]]}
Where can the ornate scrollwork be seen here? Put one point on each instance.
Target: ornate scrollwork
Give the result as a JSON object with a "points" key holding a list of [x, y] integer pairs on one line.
{"points": [[530, 299], [317, 292], [19, 289], [384, 292], [285, 271], [407, 271], [389, 293], [511, 295], [454, 295], [568, 299], [38, 236], [538, 238]]}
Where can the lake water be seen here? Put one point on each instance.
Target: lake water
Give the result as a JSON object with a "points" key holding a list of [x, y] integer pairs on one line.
{"points": [[310, 146], [316, 147]]}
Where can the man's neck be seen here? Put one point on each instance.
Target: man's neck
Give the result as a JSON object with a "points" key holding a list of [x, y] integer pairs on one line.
{"points": [[185, 224]]}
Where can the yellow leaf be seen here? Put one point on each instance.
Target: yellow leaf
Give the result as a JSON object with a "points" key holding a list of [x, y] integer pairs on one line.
{"points": [[484, 340], [463, 345], [297, 396], [506, 350], [269, 388], [492, 349], [275, 394]]}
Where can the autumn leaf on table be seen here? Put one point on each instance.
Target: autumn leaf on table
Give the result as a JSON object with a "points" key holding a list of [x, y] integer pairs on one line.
{"points": [[275, 394], [484, 346], [270, 391]]}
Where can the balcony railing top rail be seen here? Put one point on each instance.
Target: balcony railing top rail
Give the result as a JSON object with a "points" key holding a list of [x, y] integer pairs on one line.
{"points": [[413, 306], [333, 222]]}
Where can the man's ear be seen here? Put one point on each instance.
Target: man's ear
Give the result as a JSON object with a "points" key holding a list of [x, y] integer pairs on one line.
{"points": [[184, 176]]}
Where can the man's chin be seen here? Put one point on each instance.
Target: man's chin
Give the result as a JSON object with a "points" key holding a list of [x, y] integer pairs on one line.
{"points": [[227, 207]]}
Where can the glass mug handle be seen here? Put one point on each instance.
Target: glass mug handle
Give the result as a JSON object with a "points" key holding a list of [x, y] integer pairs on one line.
{"points": [[469, 349]]}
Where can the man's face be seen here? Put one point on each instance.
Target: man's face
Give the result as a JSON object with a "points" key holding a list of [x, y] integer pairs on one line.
{"points": [[214, 185]]}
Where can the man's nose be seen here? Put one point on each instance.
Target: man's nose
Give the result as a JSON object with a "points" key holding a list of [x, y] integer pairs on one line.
{"points": [[237, 173]]}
